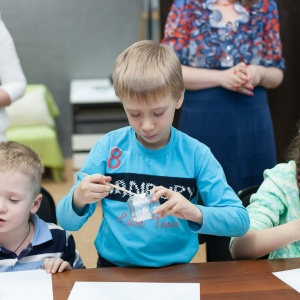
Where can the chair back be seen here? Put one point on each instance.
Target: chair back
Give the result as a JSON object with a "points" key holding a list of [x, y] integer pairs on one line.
{"points": [[47, 210], [246, 194]]}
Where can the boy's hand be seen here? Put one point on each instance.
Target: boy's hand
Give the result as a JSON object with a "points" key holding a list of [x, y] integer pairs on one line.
{"points": [[177, 205], [53, 265], [91, 189]]}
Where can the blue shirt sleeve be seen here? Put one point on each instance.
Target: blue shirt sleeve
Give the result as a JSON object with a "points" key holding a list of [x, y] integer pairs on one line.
{"points": [[66, 215], [223, 212]]}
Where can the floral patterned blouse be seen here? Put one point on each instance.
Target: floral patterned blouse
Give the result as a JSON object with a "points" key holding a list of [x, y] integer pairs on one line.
{"points": [[194, 30]]}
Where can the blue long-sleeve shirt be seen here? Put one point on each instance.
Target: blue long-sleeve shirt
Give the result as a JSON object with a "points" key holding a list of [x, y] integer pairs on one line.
{"points": [[184, 165]]}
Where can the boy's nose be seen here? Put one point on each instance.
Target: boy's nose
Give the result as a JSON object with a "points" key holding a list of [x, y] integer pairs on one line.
{"points": [[147, 125], [2, 206]]}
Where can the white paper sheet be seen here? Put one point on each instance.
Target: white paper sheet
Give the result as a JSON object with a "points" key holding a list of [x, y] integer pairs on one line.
{"points": [[290, 277], [134, 291], [26, 285]]}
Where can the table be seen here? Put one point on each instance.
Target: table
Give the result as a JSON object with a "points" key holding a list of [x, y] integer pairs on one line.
{"points": [[218, 280]]}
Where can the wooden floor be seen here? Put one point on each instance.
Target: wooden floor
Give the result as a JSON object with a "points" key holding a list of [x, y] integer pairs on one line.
{"points": [[85, 236]]}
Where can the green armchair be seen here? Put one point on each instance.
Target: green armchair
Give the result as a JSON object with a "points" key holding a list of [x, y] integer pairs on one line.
{"points": [[32, 123]]}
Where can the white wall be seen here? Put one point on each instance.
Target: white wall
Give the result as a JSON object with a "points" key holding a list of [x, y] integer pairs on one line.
{"points": [[61, 40]]}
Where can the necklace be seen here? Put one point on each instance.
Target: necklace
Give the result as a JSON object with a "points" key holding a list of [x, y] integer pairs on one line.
{"points": [[24, 238]]}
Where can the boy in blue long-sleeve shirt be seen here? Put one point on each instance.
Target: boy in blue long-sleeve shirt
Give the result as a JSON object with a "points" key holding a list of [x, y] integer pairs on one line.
{"points": [[151, 156]]}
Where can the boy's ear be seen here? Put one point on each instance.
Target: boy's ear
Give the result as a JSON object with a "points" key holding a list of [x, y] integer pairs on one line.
{"points": [[36, 203], [180, 100]]}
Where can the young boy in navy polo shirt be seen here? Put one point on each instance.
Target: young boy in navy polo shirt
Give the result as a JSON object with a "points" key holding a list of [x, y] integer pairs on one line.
{"points": [[26, 241]]}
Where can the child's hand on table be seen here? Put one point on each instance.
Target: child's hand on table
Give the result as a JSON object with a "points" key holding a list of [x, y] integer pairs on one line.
{"points": [[53, 265]]}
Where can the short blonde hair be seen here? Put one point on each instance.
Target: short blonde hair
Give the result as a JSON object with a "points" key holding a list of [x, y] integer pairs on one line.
{"points": [[15, 157], [147, 70]]}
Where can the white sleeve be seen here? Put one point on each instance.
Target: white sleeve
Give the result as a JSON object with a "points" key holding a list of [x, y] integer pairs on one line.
{"points": [[12, 78]]}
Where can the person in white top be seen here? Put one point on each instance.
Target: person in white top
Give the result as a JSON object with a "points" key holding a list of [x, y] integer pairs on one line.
{"points": [[12, 79]]}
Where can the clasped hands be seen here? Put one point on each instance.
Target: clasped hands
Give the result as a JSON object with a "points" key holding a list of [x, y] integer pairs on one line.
{"points": [[94, 188], [242, 78]]}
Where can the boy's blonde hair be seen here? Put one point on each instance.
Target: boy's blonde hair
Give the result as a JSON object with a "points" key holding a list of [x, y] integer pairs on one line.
{"points": [[18, 158], [146, 71]]}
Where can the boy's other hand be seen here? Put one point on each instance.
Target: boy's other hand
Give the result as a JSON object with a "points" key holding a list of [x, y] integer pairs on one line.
{"points": [[177, 205]]}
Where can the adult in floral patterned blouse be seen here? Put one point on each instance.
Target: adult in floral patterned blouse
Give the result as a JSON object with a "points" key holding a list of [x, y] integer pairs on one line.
{"points": [[231, 54]]}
